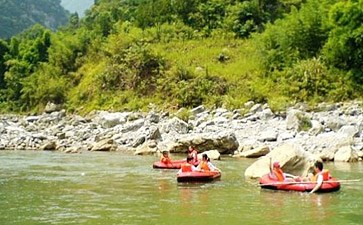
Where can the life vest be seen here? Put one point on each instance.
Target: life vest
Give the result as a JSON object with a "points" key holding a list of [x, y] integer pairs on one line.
{"points": [[279, 174], [165, 160], [204, 166], [325, 173], [186, 167]]}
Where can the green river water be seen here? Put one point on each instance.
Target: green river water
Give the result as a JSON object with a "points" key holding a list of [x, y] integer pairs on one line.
{"points": [[117, 188]]}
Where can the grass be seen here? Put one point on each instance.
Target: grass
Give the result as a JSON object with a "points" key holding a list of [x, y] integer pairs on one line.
{"points": [[242, 72]]}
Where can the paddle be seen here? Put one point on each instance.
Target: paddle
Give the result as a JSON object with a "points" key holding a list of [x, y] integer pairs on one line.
{"points": [[310, 182]]}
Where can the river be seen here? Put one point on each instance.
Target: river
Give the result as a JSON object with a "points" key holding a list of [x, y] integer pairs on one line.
{"points": [[117, 188]]}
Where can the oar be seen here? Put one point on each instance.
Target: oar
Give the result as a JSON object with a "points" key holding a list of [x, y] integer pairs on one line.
{"points": [[310, 182]]}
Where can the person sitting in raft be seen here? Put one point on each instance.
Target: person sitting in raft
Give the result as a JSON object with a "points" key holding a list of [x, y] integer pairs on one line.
{"points": [[165, 158], [206, 165], [279, 175], [320, 176], [193, 153], [187, 166]]}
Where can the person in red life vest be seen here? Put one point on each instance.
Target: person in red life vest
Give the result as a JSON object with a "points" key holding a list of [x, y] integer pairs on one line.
{"points": [[187, 166], [193, 153], [279, 175], [206, 165], [319, 176], [165, 158]]}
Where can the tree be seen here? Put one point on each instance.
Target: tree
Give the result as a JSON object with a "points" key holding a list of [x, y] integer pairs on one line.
{"points": [[4, 49], [344, 48]]}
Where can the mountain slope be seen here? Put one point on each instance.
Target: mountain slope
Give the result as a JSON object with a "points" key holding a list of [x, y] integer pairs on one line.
{"points": [[79, 6], [18, 15]]}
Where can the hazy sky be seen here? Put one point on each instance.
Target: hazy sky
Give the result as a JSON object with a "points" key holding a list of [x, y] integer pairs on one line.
{"points": [[79, 6]]}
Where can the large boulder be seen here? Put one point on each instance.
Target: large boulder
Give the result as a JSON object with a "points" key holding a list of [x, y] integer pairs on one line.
{"points": [[224, 142], [212, 154], [49, 146], [256, 152], [292, 158], [148, 148], [175, 125], [346, 154], [108, 120], [107, 144]]}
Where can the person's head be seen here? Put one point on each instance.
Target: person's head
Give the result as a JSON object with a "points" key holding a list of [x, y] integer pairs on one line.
{"points": [[318, 165], [165, 153], [191, 148], [205, 157], [189, 159], [276, 165]]}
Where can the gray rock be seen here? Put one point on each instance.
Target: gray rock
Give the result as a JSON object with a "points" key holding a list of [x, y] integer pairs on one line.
{"points": [[349, 131], [175, 124], [212, 154], [268, 135], [51, 107], [138, 141], [49, 146], [197, 110], [148, 148], [316, 128], [256, 108], [255, 153], [292, 158], [152, 117], [105, 145], [346, 154]]}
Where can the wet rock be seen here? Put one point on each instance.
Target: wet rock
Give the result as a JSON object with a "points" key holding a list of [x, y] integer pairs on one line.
{"points": [[148, 148], [105, 145]]}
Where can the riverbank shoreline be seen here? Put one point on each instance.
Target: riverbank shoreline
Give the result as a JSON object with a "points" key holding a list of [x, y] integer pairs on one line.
{"points": [[332, 132]]}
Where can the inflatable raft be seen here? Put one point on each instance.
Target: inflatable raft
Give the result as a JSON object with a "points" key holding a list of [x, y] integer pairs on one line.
{"points": [[198, 176], [176, 164], [327, 186]]}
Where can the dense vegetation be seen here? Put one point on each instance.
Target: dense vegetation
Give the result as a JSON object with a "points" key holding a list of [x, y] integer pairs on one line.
{"points": [[128, 54], [18, 15]]}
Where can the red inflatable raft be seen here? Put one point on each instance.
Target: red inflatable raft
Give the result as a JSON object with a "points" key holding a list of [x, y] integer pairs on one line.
{"points": [[198, 176], [327, 186], [176, 164]]}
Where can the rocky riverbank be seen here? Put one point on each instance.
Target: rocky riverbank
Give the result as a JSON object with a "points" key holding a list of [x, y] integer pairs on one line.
{"points": [[331, 131]]}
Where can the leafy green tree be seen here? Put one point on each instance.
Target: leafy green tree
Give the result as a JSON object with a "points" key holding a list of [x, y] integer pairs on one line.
{"points": [[300, 35], [25, 54], [153, 13], [245, 17], [45, 85], [135, 67], [4, 49], [308, 80], [344, 48]]}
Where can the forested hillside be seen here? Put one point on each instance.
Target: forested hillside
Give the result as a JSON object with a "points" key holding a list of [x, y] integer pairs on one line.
{"points": [[79, 6], [128, 54], [18, 15]]}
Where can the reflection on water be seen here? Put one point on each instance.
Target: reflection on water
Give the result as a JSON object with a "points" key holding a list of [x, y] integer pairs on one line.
{"points": [[114, 188]]}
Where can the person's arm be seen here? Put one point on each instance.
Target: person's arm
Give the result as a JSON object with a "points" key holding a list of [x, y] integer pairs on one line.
{"points": [[290, 176], [213, 167], [197, 168], [318, 184]]}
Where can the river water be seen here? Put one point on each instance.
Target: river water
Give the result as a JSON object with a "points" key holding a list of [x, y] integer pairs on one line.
{"points": [[117, 188]]}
